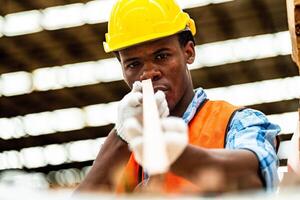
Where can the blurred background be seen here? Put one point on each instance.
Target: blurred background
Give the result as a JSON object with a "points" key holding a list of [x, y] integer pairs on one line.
{"points": [[59, 90]]}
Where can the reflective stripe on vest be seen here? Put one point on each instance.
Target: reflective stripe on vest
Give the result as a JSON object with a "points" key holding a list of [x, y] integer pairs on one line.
{"points": [[207, 129]]}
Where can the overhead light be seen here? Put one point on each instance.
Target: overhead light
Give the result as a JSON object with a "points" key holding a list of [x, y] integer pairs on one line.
{"points": [[287, 121], [67, 119], [84, 150], [10, 160], [66, 177], [95, 114], [97, 144], [38, 124], [80, 150], [22, 23], [197, 3], [46, 79], [62, 16], [219, 1], [55, 154], [79, 74], [283, 44], [97, 11], [11, 128], [1, 25], [108, 70], [58, 120], [33, 157], [258, 92], [71, 15], [7, 128], [242, 49], [32, 181], [16, 83]]}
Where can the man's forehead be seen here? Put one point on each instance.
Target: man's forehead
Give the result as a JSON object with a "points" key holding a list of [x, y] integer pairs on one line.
{"points": [[167, 42]]}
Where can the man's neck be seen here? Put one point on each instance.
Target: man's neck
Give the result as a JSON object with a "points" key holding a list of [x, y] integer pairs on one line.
{"points": [[184, 102]]}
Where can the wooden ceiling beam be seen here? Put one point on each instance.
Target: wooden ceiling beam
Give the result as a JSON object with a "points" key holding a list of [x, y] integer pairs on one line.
{"points": [[55, 138]]}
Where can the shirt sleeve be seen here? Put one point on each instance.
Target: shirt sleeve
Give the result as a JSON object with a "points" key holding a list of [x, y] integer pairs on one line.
{"points": [[250, 129]]}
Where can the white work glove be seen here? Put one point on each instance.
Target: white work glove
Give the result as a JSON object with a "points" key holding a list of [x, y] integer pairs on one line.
{"points": [[175, 136], [131, 107]]}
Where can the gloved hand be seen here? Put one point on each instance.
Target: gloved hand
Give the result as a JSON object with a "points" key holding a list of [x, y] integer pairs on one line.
{"points": [[131, 107], [175, 136]]}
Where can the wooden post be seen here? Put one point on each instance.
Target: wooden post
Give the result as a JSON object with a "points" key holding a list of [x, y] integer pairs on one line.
{"points": [[293, 9]]}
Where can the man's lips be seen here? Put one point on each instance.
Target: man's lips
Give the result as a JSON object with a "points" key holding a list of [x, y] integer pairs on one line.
{"points": [[161, 88]]}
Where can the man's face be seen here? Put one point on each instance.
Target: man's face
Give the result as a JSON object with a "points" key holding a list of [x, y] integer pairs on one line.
{"points": [[165, 62]]}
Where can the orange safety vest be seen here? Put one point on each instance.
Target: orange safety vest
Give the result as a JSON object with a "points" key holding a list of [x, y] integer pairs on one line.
{"points": [[207, 129]]}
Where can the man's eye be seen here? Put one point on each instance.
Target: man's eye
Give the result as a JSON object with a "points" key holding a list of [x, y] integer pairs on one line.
{"points": [[133, 65], [161, 56]]}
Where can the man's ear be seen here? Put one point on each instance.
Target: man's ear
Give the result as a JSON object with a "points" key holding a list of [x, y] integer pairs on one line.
{"points": [[189, 51]]}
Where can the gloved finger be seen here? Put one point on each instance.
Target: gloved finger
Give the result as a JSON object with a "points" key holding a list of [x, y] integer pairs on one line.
{"points": [[134, 99], [163, 110], [136, 112], [162, 104], [164, 114], [137, 86], [174, 124], [132, 129], [159, 97], [176, 138], [175, 143], [136, 146]]}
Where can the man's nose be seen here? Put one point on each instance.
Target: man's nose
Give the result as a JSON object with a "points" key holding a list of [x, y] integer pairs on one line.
{"points": [[151, 73]]}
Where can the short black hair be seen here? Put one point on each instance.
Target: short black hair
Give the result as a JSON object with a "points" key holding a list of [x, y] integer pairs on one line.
{"points": [[183, 38]]}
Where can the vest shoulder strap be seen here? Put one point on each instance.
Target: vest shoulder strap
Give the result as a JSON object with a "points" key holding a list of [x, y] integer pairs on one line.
{"points": [[209, 126]]}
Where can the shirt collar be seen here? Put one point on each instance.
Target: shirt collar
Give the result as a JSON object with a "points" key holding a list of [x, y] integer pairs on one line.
{"points": [[199, 97]]}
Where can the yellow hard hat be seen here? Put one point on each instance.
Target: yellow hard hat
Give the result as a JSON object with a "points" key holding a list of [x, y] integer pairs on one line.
{"points": [[135, 21]]}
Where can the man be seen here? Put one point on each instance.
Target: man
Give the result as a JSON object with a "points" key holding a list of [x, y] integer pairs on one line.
{"points": [[154, 40]]}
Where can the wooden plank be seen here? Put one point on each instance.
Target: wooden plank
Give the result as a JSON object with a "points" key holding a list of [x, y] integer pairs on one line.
{"points": [[154, 148], [285, 137], [293, 9], [282, 162]]}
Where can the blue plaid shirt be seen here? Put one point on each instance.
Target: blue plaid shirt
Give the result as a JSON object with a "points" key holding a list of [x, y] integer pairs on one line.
{"points": [[248, 129]]}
